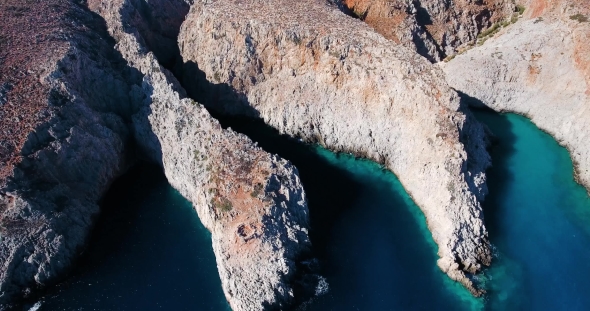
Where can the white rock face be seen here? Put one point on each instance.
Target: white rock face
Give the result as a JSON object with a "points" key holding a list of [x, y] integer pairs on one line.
{"points": [[252, 202], [312, 72], [539, 68]]}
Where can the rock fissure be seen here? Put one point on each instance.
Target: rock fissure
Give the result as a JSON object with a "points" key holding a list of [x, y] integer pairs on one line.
{"points": [[99, 108]]}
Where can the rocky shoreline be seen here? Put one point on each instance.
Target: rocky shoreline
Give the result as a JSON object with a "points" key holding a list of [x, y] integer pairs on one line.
{"points": [[89, 87], [314, 73], [252, 202], [539, 68]]}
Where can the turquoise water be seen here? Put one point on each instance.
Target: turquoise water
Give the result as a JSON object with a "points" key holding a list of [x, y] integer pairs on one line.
{"points": [[371, 239], [538, 219], [149, 252]]}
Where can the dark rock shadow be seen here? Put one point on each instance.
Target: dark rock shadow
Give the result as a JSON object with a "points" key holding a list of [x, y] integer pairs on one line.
{"points": [[499, 176], [220, 99]]}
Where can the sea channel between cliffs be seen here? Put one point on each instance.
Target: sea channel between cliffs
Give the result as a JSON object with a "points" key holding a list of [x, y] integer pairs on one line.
{"points": [[371, 239]]}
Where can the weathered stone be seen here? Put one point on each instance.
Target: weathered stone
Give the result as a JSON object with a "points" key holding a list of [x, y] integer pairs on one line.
{"points": [[312, 72], [540, 68], [433, 28], [92, 101], [252, 202]]}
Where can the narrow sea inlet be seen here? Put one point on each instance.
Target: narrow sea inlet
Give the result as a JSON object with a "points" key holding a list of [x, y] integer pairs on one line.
{"points": [[150, 251], [538, 219]]}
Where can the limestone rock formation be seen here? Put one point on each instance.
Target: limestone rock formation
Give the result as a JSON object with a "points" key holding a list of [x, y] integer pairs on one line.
{"points": [[538, 67], [71, 108], [63, 137], [252, 202], [433, 28], [312, 72]]}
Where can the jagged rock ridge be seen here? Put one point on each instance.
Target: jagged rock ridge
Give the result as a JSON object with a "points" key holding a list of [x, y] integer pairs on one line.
{"points": [[434, 28], [312, 72], [93, 102]]}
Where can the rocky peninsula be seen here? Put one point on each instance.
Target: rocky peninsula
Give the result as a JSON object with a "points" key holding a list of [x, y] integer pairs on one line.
{"points": [[538, 67], [315, 73], [75, 103]]}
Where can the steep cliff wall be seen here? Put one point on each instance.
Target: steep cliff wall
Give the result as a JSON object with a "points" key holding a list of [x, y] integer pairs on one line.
{"points": [[312, 72], [539, 67], [433, 28], [73, 107], [252, 202], [63, 137]]}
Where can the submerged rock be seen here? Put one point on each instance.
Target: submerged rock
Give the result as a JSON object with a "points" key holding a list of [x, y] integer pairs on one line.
{"points": [[312, 72], [538, 67]]}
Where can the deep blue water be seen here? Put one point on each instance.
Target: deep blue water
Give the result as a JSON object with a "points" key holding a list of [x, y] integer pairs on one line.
{"points": [[151, 252]]}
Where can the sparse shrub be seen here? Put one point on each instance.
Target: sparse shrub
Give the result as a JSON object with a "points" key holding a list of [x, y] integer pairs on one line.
{"points": [[538, 20], [520, 9], [579, 17], [490, 31], [222, 204], [451, 186], [449, 58], [257, 190]]}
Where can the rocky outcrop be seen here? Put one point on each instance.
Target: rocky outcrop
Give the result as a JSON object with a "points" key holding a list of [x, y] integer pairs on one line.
{"points": [[538, 67], [312, 72], [63, 137], [252, 202], [73, 108], [433, 28]]}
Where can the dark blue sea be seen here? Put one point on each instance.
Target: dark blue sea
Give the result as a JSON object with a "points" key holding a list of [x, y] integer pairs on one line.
{"points": [[150, 252]]}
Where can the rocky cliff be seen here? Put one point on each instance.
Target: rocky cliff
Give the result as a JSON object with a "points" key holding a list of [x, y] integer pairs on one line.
{"points": [[434, 28], [538, 67], [62, 133], [252, 202], [312, 72], [72, 109]]}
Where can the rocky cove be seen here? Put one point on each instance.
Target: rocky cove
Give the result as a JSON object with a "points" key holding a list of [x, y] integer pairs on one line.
{"points": [[370, 238], [335, 82]]}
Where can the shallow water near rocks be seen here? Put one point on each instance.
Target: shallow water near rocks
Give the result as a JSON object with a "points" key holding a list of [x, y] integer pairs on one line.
{"points": [[151, 252]]}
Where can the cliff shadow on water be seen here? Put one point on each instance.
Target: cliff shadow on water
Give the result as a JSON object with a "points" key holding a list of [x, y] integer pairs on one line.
{"points": [[537, 217], [148, 251], [504, 278], [499, 176]]}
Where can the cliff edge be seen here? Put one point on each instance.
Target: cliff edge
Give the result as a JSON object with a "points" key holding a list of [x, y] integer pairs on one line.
{"points": [[79, 91], [312, 72], [540, 68]]}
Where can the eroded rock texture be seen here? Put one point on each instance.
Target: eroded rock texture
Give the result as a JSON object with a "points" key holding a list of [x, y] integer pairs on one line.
{"points": [[63, 137], [72, 106], [312, 72], [538, 67], [252, 202], [433, 28]]}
